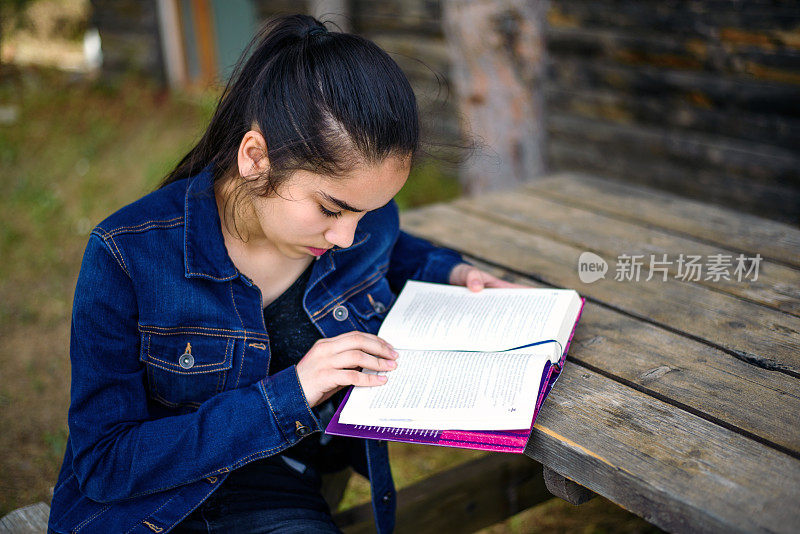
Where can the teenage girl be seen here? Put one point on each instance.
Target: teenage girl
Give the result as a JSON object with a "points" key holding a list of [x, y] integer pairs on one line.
{"points": [[217, 320]]}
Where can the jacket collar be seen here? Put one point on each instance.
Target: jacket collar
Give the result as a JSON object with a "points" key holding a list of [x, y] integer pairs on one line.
{"points": [[204, 249]]}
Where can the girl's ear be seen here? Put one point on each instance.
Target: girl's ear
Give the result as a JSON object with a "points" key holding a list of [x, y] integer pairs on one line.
{"points": [[252, 157]]}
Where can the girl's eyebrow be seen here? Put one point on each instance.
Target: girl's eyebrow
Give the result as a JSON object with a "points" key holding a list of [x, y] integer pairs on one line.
{"points": [[341, 203]]}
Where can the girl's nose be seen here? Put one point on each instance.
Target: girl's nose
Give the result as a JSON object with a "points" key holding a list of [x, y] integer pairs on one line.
{"points": [[342, 232]]}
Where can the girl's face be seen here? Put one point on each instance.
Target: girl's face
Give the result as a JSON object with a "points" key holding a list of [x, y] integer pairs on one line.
{"points": [[313, 213]]}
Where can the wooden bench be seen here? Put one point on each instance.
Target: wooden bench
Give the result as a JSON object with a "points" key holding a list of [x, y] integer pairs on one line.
{"points": [[680, 398]]}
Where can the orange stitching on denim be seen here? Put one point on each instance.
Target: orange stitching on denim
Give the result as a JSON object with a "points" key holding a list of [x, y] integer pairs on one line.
{"points": [[117, 257], [271, 409], [241, 366], [259, 346], [302, 394], [153, 527], [347, 294], [186, 371], [223, 377], [220, 279], [119, 229], [147, 225], [154, 511], [91, 518], [259, 452], [233, 299], [178, 330], [124, 265]]}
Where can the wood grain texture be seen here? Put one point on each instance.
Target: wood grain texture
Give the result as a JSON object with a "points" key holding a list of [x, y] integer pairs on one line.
{"points": [[690, 375], [675, 214], [777, 286], [676, 470], [31, 519], [695, 97], [753, 333], [777, 201]]}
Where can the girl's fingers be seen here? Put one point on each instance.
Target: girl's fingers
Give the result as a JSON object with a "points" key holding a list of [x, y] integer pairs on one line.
{"points": [[357, 358], [368, 343], [475, 280], [347, 377]]}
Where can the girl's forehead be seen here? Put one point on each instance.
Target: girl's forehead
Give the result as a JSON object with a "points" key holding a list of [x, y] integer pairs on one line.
{"points": [[366, 187]]}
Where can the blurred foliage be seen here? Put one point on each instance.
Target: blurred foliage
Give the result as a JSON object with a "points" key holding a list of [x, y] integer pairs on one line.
{"points": [[59, 19]]}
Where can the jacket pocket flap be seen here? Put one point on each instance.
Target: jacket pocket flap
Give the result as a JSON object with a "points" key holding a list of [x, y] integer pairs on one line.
{"points": [[374, 301], [187, 353]]}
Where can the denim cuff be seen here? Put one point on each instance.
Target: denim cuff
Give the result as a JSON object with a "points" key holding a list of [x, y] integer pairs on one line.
{"points": [[438, 266], [288, 404]]}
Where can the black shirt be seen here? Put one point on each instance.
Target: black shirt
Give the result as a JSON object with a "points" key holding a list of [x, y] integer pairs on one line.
{"points": [[291, 335]]}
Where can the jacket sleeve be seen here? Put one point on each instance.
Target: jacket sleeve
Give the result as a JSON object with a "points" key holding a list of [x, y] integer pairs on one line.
{"points": [[119, 449], [413, 258]]}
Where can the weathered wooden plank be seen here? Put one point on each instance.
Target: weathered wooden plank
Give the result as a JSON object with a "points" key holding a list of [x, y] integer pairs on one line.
{"points": [[673, 111], [757, 22], [714, 89], [30, 519], [675, 470], [479, 493], [776, 201], [674, 51], [417, 16], [776, 286], [675, 214], [752, 332], [691, 375], [764, 163]]}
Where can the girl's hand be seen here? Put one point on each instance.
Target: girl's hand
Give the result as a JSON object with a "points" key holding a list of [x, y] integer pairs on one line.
{"points": [[465, 274], [335, 362]]}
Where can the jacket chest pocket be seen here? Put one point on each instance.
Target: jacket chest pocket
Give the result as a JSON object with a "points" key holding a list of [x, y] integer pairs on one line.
{"points": [[371, 305], [186, 369]]}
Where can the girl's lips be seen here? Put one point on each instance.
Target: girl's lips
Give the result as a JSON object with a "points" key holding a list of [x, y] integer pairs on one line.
{"points": [[317, 251]]}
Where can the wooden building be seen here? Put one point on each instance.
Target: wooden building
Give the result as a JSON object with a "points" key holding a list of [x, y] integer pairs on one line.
{"points": [[697, 97]]}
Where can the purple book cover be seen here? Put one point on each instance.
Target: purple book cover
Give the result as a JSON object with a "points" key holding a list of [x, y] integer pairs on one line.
{"points": [[489, 440]]}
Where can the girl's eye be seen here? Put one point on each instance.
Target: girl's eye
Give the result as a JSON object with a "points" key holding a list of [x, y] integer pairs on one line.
{"points": [[329, 213]]}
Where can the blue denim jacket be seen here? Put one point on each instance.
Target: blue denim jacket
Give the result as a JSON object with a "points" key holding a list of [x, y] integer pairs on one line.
{"points": [[170, 354]]}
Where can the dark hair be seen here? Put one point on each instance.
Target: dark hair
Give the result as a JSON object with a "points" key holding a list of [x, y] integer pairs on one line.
{"points": [[325, 102]]}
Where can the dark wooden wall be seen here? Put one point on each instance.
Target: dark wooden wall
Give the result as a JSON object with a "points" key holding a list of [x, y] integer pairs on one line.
{"points": [[411, 31], [698, 97], [130, 37]]}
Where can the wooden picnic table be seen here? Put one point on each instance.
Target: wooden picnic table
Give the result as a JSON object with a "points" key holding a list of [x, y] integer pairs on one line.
{"points": [[680, 399]]}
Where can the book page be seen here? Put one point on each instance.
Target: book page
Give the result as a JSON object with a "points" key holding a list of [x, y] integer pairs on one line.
{"points": [[441, 317], [451, 390]]}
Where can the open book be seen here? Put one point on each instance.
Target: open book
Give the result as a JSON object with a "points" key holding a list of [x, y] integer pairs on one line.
{"points": [[473, 368]]}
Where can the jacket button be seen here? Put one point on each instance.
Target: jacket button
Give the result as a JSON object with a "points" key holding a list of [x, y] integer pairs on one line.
{"points": [[340, 313], [301, 430], [186, 360], [378, 307], [387, 497]]}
